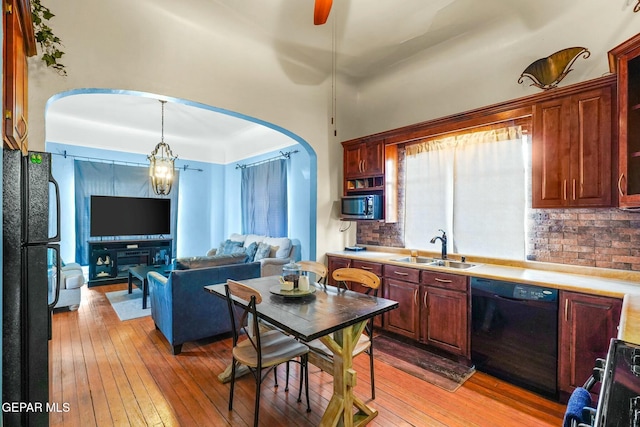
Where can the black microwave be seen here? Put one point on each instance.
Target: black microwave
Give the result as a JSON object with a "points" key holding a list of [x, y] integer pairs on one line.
{"points": [[367, 206]]}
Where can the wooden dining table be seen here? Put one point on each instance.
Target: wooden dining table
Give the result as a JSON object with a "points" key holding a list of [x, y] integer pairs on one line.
{"points": [[337, 317]]}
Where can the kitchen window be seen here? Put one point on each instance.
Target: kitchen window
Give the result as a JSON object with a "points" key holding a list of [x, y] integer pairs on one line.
{"points": [[471, 185]]}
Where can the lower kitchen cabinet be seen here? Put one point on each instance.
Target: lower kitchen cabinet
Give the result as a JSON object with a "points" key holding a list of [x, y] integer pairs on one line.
{"points": [[586, 325], [444, 319], [405, 320], [403, 285], [433, 308]]}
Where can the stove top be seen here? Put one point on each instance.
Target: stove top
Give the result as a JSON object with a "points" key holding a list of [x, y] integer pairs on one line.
{"points": [[619, 402]]}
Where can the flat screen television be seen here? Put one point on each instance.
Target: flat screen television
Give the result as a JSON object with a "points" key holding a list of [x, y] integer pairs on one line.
{"points": [[129, 216]]}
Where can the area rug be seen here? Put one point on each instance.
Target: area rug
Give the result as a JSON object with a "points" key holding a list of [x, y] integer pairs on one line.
{"points": [[430, 367], [128, 305]]}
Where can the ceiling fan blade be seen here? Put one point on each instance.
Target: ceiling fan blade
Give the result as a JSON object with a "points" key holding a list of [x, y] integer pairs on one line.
{"points": [[321, 11]]}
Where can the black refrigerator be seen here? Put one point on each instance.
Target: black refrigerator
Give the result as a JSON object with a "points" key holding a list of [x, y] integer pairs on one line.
{"points": [[30, 272]]}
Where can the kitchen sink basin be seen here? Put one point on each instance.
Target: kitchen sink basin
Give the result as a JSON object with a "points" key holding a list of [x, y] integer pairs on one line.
{"points": [[416, 260], [436, 262], [452, 264]]}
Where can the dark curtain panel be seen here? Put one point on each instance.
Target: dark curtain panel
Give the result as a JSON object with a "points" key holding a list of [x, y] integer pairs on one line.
{"points": [[107, 179], [264, 199]]}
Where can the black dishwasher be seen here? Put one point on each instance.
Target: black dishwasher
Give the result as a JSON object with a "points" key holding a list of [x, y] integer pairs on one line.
{"points": [[515, 333]]}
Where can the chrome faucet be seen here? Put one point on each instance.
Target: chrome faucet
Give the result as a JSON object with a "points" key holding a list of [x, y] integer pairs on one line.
{"points": [[443, 239]]}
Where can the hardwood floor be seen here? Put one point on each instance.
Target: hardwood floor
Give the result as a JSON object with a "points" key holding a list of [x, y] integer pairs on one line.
{"points": [[113, 373]]}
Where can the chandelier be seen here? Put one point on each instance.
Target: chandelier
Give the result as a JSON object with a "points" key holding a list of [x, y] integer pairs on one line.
{"points": [[161, 164]]}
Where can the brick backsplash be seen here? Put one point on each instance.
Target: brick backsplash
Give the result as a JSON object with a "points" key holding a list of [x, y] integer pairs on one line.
{"points": [[607, 238]]}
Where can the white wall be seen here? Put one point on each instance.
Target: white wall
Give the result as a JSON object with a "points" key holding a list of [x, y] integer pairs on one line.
{"points": [[471, 72]]}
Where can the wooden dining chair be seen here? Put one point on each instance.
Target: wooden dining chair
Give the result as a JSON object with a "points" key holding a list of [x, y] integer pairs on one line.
{"points": [[319, 354], [317, 268], [260, 349]]}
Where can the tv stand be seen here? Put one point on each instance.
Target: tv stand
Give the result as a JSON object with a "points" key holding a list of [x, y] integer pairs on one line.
{"points": [[110, 260]]}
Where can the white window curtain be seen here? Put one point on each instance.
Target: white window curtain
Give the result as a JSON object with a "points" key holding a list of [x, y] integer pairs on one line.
{"points": [[473, 187]]}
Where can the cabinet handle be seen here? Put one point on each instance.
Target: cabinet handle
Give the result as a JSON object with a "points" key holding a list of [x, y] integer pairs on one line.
{"points": [[362, 267], [364, 165], [620, 184], [415, 297], [437, 279], [400, 273], [425, 300], [564, 190], [574, 189], [566, 310]]}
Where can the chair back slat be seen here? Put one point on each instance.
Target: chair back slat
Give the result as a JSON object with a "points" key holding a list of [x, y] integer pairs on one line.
{"points": [[365, 278], [317, 268], [243, 291]]}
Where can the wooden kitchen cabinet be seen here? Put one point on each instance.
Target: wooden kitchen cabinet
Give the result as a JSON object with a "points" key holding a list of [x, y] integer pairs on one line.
{"points": [[624, 61], [19, 44], [405, 320], [402, 285], [370, 167], [586, 325], [444, 317], [571, 148], [363, 159]]}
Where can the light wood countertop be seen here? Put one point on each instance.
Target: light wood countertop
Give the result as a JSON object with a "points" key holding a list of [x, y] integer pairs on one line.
{"points": [[595, 281]]}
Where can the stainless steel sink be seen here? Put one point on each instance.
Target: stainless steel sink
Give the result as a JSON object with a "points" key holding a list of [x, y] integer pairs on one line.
{"points": [[452, 264], [416, 260], [447, 263]]}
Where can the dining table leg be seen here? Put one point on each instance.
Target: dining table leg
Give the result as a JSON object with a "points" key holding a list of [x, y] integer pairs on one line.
{"points": [[339, 412]]}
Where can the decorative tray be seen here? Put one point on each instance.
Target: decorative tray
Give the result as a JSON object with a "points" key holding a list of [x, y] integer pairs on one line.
{"points": [[277, 290]]}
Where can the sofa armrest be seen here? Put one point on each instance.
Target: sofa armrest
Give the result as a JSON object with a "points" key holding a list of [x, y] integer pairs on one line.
{"points": [[272, 266], [161, 303]]}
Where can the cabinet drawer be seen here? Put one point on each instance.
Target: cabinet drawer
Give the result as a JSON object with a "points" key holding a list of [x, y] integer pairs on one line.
{"points": [[372, 267], [402, 273], [444, 280]]}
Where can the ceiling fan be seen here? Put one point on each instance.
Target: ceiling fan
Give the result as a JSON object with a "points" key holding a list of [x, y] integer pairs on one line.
{"points": [[321, 11]]}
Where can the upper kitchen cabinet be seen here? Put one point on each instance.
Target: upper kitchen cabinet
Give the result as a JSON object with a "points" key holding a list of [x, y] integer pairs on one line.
{"points": [[362, 159], [624, 60], [572, 145], [370, 167], [19, 44]]}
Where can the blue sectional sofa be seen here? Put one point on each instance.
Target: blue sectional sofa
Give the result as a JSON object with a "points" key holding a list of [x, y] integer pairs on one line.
{"points": [[180, 307]]}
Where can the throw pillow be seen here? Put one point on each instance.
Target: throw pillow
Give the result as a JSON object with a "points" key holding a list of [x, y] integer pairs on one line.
{"points": [[227, 247], [238, 250], [251, 251], [263, 251], [280, 246]]}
